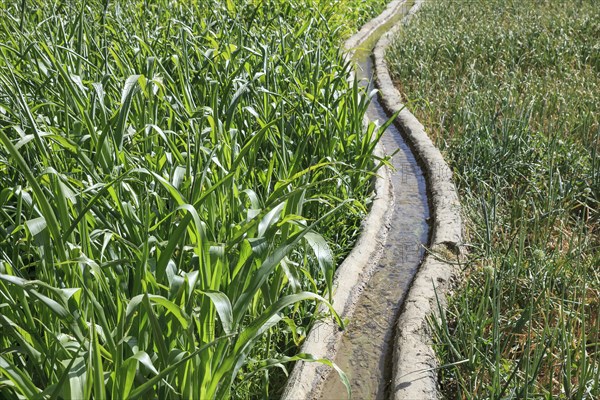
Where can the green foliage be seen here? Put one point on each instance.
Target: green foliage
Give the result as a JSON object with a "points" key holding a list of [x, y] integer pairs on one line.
{"points": [[511, 91], [177, 181], [351, 15]]}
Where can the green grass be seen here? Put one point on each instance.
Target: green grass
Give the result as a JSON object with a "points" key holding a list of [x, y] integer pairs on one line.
{"points": [[510, 91], [353, 14], [177, 182]]}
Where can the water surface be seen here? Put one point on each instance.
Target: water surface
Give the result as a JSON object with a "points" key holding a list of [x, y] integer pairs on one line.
{"points": [[365, 352]]}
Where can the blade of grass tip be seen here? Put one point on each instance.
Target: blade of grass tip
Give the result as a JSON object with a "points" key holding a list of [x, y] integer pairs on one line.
{"points": [[453, 364]]}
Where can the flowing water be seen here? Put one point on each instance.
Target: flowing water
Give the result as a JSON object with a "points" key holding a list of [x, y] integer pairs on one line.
{"points": [[366, 349]]}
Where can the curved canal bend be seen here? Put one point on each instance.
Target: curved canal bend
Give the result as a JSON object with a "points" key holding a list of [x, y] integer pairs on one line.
{"points": [[366, 349]]}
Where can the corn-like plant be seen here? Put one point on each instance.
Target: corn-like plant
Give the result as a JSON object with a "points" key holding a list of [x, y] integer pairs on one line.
{"points": [[177, 180]]}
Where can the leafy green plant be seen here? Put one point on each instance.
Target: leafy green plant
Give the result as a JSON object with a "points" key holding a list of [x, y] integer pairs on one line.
{"points": [[177, 181]]}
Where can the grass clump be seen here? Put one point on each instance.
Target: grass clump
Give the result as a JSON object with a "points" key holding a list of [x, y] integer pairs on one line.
{"points": [[353, 14], [177, 181], [510, 90]]}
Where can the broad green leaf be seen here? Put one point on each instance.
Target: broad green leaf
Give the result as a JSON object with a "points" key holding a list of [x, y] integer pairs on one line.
{"points": [[168, 305], [172, 308], [78, 377], [36, 225], [324, 257], [270, 219], [53, 305], [223, 307], [130, 367], [131, 85]]}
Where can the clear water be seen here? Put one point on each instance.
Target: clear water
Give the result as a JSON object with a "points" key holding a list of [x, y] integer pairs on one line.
{"points": [[366, 350]]}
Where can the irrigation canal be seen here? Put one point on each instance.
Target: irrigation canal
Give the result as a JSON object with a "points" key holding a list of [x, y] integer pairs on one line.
{"points": [[366, 350]]}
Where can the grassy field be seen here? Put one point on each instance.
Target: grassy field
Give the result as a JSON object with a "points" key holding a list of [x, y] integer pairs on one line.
{"points": [[178, 180], [510, 91]]}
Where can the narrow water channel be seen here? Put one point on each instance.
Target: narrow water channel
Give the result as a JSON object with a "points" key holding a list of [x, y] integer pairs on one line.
{"points": [[365, 353]]}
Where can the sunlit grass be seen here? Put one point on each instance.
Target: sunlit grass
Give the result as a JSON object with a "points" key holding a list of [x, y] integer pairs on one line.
{"points": [[177, 182], [510, 90]]}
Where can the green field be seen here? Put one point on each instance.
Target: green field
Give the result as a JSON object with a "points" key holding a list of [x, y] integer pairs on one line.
{"points": [[510, 91], [178, 180]]}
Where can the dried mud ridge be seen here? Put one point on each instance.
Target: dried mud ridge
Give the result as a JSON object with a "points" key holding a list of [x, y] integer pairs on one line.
{"points": [[406, 367]]}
